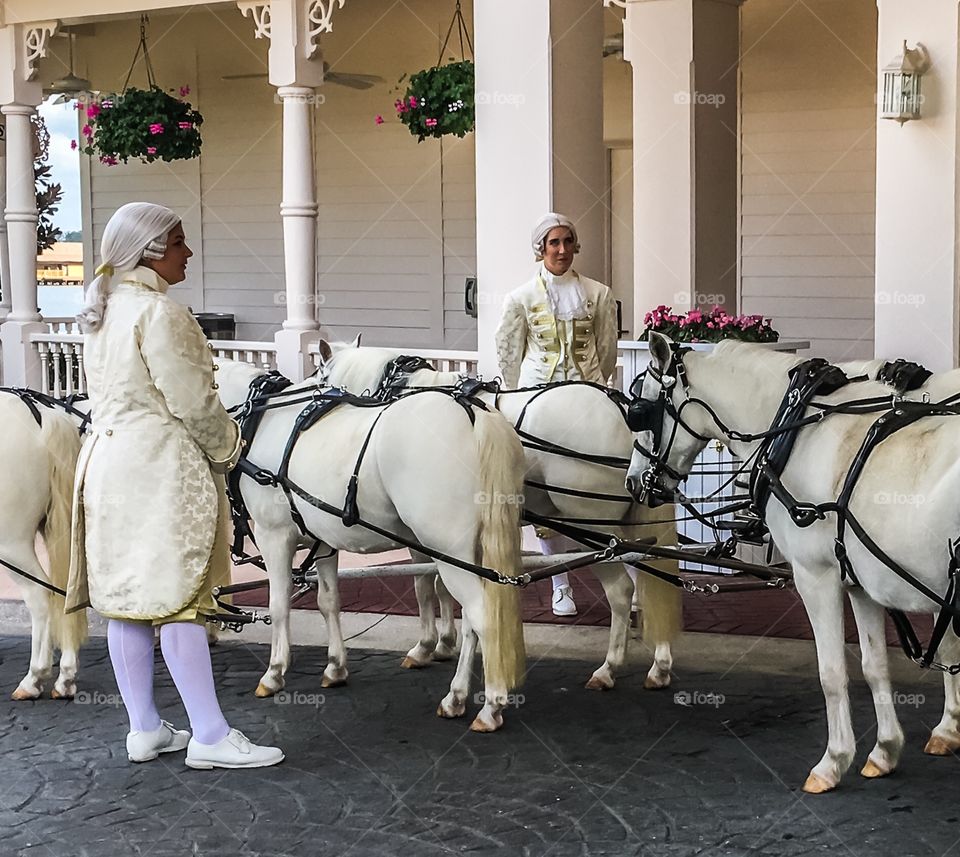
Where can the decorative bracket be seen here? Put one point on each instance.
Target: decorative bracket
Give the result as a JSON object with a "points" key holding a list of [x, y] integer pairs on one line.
{"points": [[319, 15], [620, 3], [259, 10], [36, 37]]}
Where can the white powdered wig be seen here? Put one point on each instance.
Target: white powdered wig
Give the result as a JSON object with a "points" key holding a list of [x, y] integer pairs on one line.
{"points": [[542, 230], [137, 231]]}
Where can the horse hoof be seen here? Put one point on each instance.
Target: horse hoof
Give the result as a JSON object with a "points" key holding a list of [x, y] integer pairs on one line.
{"points": [[409, 663], [452, 712], [816, 785], [940, 746], [21, 695], [597, 683], [264, 692], [482, 725], [332, 682], [871, 770], [444, 654], [651, 683], [57, 694]]}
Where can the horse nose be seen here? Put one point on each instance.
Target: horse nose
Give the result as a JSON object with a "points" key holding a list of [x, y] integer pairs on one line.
{"points": [[633, 486]]}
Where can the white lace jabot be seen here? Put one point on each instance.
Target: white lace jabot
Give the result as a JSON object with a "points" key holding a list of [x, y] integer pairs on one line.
{"points": [[566, 297]]}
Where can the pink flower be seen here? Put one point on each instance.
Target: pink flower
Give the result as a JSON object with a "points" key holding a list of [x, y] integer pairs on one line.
{"points": [[93, 110], [184, 91], [156, 128], [87, 131], [694, 316], [413, 101], [73, 144], [109, 160], [431, 123], [151, 150], [186, 126], [378, 119]]}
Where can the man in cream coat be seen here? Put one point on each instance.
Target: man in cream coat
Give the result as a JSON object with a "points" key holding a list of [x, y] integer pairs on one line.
{"points": [[559, 326]]}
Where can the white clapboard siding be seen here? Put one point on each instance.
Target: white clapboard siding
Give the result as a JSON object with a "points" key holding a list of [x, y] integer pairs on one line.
{"points": [[387, 205], [808, 170]]}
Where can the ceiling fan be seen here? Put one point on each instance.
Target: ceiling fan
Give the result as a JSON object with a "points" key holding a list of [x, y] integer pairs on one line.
{"points": [[340, 78], [69, 86]]}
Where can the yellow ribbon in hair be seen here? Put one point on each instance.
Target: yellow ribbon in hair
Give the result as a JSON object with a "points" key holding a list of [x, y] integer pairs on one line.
{"points": [[105, 269]]}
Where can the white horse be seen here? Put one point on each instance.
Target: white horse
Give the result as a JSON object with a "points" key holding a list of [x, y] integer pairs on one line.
{"points": [[37, 462], [578, 417], [743, 385], [426, 475]]}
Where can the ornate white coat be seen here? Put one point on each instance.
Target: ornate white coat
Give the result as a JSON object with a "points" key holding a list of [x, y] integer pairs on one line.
{"points": [[146, 502], [534, 347]]}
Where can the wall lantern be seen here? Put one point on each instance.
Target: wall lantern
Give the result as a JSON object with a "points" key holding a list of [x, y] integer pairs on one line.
{"points": [[901, 84]]}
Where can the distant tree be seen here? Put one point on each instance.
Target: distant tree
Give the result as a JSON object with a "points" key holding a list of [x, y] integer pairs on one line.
{"points": [[49, 192], [73, 235]]}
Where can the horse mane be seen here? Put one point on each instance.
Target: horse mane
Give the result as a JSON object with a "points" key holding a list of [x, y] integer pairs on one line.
{"points": [[355, 368], [735, 348]]}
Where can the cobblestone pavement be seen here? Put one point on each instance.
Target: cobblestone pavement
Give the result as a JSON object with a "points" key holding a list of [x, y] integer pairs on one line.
{"points": [[371, 771]]}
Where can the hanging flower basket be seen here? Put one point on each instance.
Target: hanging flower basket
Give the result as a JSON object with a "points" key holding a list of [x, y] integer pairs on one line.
{"points": [[713, 326], [149, 124], [438, 101]]}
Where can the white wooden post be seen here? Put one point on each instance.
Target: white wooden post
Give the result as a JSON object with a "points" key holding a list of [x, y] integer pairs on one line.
{"points": [[4, 258], [20, 93]]}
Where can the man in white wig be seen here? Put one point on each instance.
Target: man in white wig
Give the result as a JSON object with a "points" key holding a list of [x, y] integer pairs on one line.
{"points": [[559, 326], [149, 514]]}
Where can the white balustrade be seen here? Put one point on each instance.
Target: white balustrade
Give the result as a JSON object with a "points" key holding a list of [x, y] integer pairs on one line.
{"points": [[260, 354], [61, 363]]}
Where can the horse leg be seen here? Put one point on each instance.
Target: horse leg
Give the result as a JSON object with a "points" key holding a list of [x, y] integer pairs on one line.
{"points": [[945, 738], [619, 591], [38, 604], [871, 628], [447, 646], [422, 653], [278, 548], [454, 704], [823, 600], [328, 602], [662, 619]]}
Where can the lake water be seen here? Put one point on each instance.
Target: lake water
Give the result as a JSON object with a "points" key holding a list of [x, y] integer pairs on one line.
{"points": [[59, 301]]}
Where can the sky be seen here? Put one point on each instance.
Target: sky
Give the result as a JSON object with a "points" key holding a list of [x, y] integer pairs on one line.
{"points": [[61, 121]]}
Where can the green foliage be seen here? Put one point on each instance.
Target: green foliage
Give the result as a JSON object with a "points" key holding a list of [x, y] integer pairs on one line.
{"points": [[49, 193], [149, 124], [439, 101]]}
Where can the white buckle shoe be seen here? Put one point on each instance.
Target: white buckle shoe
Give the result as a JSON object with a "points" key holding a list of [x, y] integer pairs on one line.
{"points": [[563, 603], [234, 751], [146, 746]]}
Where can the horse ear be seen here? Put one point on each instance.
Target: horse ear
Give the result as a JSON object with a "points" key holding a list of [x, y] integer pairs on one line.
{"points": [[356, 342], [660, 353], [325, 351]]}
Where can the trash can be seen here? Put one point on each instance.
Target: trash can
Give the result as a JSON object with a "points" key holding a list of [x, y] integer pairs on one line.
{"points": [[217, 325]]}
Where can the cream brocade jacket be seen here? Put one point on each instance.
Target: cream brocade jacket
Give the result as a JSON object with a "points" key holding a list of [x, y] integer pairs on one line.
{"points": [[533, 347], [147, 504]]}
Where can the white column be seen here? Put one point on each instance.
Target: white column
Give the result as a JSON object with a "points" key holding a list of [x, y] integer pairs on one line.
{"points": [[917, 185], [4, 258], [684, 151], [539, 141], [298, 209], [21, 364]]}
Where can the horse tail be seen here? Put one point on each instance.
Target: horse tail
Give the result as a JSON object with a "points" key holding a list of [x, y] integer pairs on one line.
{"points": [[62, 441], [661, 601], [501, 484]]}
